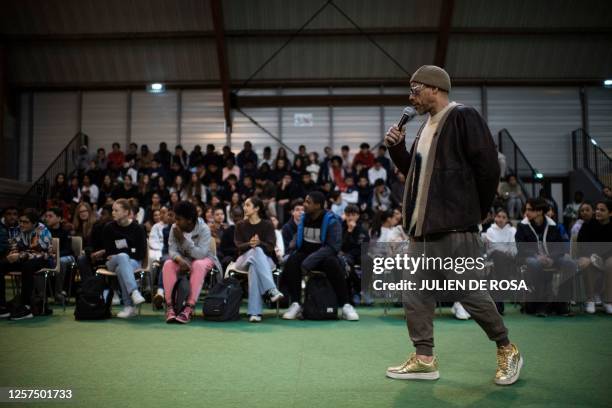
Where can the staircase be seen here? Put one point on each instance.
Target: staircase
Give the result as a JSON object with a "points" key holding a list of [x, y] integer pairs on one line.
{"points": [[65, 162], [528, 177], [588, 156]]}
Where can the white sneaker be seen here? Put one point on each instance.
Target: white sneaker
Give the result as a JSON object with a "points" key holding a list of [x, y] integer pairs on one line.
{"points": [[608, 307], [255, 319], [349, 313], [292, 313], [127, 312], [275, 295], [589, 307], [459, 312], [116, 299], [137, 298]]}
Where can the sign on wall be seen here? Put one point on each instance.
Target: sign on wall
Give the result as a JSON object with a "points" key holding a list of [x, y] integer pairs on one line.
{"points": [[302, 120]]}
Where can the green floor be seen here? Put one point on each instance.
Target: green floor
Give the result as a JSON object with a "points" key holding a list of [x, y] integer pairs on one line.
{"points": [[144, 362]]}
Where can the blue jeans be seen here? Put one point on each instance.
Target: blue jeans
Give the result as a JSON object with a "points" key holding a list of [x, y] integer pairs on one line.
{"points": [[260, 268], [124, 267], [60, 279]]}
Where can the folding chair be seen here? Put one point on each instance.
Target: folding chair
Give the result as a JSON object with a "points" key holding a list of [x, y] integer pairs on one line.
{"points": [[45, 272], [140, 272]]}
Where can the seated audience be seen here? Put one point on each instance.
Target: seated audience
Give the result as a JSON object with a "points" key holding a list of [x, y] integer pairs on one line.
{"points": [[53, 218], [255, 240], [189, 251], [315, 247], [125, 243], [30, 251], [595, 257]]}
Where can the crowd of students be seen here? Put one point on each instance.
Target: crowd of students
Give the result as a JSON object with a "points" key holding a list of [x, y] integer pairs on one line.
{"points": [[200, 210]]}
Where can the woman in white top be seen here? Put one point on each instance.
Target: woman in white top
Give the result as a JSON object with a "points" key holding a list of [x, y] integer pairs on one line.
{"points": [[501, 248], [383, 228]]}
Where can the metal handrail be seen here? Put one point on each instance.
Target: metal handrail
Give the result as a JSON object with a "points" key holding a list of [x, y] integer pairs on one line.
{"points": [[65, 162]]}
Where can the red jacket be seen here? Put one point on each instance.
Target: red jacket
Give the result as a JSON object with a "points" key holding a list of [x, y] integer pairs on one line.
{"points": [[116, 160], [366, 159]]}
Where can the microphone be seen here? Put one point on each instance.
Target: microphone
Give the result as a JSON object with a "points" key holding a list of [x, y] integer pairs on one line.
{"points": [[407, 115]]}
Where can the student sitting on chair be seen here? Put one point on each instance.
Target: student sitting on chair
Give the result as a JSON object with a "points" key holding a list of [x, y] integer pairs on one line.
{"points": [[30, 251], [315, 247], [255, 239], [189, 251], [125, 243]]}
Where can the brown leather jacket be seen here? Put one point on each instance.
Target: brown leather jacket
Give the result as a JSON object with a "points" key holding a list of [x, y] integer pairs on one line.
{"points": [[462, 173]]}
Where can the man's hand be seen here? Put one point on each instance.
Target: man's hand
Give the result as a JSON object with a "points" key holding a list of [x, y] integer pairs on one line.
{"points": [[178, 234], [583, 263], [350, 225], [254, 241], [183, 264], [97, 255], [546, 261], [12, 258], [394, 136]]}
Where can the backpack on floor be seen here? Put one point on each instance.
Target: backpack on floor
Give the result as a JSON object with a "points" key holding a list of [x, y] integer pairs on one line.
{"points": [[94, 300], [223, 301], [320, 302], [180, 294]]}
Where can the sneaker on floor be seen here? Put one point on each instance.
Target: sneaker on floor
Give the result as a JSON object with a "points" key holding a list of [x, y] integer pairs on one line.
{"points": [[185, 316], [349, 313], [275, 295], [293, 312], [170, 314], [589, 307], [158, 300], [509, 363], [21, 312], [415, 369], [127, 312], [116, 299], [608, 307], [137, 298], [459, 312], [255, 318], [4, 312]]}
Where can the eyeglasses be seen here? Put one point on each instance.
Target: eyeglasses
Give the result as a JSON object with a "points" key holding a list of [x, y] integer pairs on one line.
{"points": [[416, 89], [26, 221]]}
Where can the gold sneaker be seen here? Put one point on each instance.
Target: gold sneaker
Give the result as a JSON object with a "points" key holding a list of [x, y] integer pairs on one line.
{"points": [[509, 363], [415, 369]]}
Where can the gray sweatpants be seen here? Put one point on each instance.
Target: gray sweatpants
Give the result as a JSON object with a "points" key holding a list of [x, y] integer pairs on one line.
{"points": [[419, 306]]}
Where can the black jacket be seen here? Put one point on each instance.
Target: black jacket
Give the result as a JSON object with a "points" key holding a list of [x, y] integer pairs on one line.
{"points": [[464, 178], [548, 234]]}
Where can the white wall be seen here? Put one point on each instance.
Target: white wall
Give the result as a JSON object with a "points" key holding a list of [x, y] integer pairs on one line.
{"points": [[540, 119]]}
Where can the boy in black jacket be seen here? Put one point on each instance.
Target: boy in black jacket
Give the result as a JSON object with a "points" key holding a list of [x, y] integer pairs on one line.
{"points": [[538, 239], [353, 235], [53, 218]]}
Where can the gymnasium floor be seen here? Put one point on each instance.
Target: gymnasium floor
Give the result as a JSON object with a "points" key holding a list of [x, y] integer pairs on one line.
{"points": [[144, 362]]}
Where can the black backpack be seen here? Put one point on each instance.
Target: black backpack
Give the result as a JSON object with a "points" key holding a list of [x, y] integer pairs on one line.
{"points": [[180, 294], [320, 301], [223, 301], [94, 300]]}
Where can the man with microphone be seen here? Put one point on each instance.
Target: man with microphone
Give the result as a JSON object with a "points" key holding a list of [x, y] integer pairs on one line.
{"points": [[451, 177]]}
